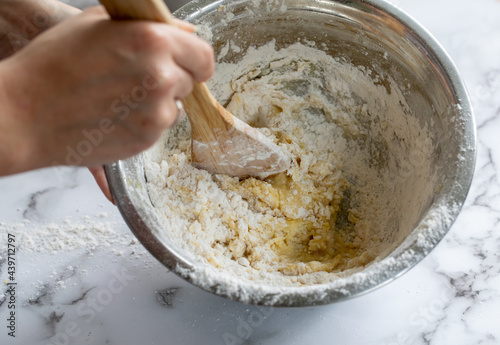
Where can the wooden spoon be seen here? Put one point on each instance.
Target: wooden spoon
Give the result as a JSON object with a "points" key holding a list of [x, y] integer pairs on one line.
{"points": [[221, 143]]}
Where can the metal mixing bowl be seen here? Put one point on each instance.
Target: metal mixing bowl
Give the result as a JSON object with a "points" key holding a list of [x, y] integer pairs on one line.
{"points": [[366, 33]]}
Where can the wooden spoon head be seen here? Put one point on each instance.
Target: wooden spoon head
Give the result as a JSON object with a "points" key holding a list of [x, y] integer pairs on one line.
{"points": [[223, 144], [240, 151]]}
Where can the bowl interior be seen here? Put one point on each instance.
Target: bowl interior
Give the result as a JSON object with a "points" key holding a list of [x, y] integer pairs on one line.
{"points": [[364, 33]]}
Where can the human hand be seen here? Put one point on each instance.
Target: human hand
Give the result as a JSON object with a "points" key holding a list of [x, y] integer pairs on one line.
{"points": [[99, 172], [101, 179], [91, 91]]}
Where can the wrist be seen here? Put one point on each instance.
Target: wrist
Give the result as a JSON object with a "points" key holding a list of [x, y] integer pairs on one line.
{"points": [[23, 20], [19, 151]]}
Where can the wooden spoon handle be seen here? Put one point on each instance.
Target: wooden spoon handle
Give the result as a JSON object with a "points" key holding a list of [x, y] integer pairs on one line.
{"points": [[154, 10]]}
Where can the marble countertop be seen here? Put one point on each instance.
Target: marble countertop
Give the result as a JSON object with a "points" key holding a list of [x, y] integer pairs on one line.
{"points": [[85, 292]]}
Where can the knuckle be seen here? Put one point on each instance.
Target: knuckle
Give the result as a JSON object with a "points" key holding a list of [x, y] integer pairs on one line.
{"points": [[163, 78], [176, 83], [148, 36], [150, 32], [171, 80]]}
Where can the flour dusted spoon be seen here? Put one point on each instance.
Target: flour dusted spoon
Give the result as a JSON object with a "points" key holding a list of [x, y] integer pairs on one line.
{"points": [[221, 143]]}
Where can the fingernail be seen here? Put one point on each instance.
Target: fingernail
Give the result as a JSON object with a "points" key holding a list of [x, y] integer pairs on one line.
{"points": [[180, 112]]}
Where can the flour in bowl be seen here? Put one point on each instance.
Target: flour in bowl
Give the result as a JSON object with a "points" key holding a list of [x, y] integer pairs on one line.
{"points": [[348, 199]]}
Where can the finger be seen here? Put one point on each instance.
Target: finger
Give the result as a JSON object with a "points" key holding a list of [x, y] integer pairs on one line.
{"points": [[181, 24], [160, 110], [172, 81], [191, 53], [100, 177], [170, 113], [181, 83], [188, 27], [99, 10]]}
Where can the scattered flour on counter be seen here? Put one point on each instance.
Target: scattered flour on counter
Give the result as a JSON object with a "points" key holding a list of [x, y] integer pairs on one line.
{"points": [[360, 178], [68, 235]]}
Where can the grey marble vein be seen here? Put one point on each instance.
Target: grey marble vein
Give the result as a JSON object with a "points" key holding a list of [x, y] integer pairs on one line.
{"points": [[81, 297], [31, 212], [166, 296]]}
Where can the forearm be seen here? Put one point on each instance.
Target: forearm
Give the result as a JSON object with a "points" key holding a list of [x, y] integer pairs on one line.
{"points": [[20, 22], [15, 146], [23, 20]]}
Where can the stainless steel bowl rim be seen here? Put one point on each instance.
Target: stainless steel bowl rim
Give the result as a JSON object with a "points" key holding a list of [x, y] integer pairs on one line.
{"points": [[373, 277]]}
